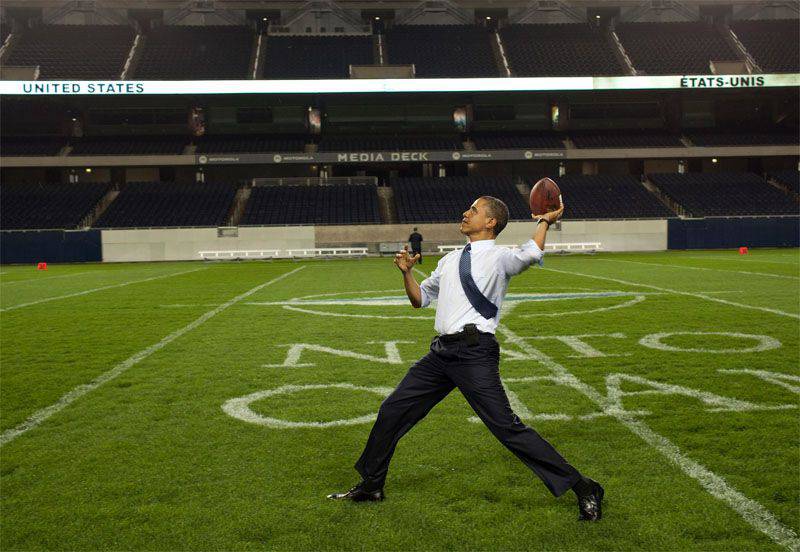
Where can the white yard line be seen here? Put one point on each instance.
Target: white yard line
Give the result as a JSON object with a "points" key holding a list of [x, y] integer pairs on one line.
{"points": [[41, 415], [701, 268], [93, 290], [751, 511], [739, 260], [27, 280], [678, 292]]}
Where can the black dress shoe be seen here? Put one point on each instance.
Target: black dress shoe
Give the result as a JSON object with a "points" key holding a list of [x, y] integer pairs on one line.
{"points": [[358, 494], [590, 506]]}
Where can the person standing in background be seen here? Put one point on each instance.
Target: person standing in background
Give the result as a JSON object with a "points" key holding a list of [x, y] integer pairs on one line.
{"points": [[415, 239]]}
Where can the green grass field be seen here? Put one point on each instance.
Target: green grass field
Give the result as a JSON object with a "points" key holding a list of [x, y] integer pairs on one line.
{"points": [[681, 398]]}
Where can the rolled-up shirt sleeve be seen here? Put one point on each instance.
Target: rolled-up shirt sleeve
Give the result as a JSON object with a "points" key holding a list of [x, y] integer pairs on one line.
{"points": [[518, 259], [429, 288]]}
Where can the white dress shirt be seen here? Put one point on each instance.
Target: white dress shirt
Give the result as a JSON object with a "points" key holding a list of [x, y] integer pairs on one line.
{"points": [[492, 268]]}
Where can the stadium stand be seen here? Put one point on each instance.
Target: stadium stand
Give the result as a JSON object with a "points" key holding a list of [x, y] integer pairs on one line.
{"points": [[195, 53], [337, 204], [12, 146], [129, 145], [556, 50], [790, 179], [442, 50], [625, 139], [773, 43], [158, 204], [390, 143], [512, 141], [721, 138], [608, 197], [245, 143], [5, 30], [315, 57], [47, 206], [725, 194], [73, 51], [680, 48], [445, 199]]}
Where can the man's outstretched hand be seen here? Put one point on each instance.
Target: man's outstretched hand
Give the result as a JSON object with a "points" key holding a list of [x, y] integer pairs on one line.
{"points": [[404, 261], [552, 216]]}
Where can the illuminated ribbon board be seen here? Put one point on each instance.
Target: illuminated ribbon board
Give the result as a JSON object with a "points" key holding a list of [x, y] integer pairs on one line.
{"points": [[362, 86]]}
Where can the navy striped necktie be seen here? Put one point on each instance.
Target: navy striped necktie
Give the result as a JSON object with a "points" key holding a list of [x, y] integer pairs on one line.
{"points": [[480, 303]]}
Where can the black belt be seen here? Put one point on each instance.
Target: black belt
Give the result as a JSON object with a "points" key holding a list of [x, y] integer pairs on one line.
{"points": [[469, 335]]}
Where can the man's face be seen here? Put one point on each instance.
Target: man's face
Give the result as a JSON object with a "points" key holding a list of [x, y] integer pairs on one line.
{"points": [[474, 219]]}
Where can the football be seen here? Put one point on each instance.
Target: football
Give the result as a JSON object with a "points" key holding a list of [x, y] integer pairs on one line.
{"points": [[545, 197]]}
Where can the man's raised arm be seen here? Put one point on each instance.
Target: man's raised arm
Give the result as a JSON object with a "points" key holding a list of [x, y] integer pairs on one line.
{"points": [[405, 263]]}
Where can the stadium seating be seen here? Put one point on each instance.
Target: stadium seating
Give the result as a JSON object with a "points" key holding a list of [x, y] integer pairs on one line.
{"points": [[772, 43], [5, 30], [556, 50], [129, 145], [11, 146], [725, 194], [790, 179], [608, 197], [158, 204], [40, 206], [682, 48], [516, 141], [390, 143], [442, 50], [196, 53], [625, 139], [74, 51], [337, 204], [315, 57], [445, 199], [721, 138], [248, 143]]}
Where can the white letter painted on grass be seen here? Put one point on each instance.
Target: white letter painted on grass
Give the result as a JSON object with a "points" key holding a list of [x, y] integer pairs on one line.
{"points": [[765, 342], [240, 409], [577, 344], [777, 378], [292, 360], [717, 402]]}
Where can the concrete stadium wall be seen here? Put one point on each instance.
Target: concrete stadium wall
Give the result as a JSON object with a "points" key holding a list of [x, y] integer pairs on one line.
{"points": [[626, 235], [182, 244]]}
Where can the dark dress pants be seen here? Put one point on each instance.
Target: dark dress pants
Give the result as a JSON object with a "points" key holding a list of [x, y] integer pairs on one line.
{"points": [[417, 250], [475, 371]]}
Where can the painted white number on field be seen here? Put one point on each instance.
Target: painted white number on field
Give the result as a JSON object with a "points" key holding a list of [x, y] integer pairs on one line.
{"points": [[763, 342], [240, 407]]}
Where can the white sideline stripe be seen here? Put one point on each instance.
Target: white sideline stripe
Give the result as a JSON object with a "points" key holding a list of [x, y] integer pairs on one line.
{"points": [[88, 291], [41, 415], [25, 281], [751, 511], [784, 276], [678, 292], [722, 258]]}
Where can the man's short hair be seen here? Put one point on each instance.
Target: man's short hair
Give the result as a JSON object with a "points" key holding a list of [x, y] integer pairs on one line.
{"points": [[498, 210], [415, 229]]}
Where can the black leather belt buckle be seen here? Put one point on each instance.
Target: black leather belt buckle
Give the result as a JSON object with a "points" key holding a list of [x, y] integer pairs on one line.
{"points": [[471, 335]]}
